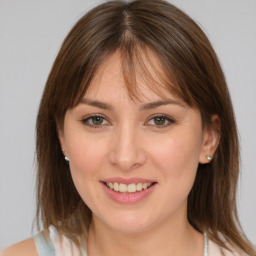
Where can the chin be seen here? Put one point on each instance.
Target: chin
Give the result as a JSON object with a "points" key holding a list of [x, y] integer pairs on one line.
{"points": [[129, 222]]}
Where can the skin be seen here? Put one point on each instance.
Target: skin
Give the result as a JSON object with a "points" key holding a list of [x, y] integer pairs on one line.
{"points": [[23, 248], [128, 142]]}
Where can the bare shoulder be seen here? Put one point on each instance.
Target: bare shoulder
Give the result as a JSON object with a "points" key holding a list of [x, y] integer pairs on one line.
{"points": [[23, 248]]}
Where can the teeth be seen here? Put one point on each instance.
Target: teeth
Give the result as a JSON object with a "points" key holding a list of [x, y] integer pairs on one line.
{"points": [[116, 187], [123, 188], [111, 185], [144, 185], [130, 188], [139, 186]]}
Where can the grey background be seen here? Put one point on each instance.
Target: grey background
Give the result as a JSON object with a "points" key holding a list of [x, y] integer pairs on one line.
{"points": [[31, 32]]}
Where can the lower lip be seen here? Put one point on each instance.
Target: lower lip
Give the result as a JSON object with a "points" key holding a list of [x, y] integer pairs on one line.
{"points": [[128, 198]]}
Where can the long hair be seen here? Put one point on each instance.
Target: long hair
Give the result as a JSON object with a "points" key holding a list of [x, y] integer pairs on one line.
{"points": [[192, 72]]}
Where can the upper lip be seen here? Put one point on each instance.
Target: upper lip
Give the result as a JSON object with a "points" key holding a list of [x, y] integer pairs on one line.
{"points": [[128, 181]]}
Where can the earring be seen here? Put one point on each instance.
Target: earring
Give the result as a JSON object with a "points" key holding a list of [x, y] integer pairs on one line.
{"points": [[66, 158], [208, 157]]}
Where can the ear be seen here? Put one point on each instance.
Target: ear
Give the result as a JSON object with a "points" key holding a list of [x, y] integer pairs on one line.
{"points": [[210, 140], [60, 132]]}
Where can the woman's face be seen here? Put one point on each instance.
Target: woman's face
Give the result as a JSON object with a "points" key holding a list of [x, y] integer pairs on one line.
{"points": [[133, 162]]}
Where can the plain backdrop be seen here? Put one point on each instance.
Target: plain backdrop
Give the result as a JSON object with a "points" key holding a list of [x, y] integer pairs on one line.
{"points": [[31, 32]]}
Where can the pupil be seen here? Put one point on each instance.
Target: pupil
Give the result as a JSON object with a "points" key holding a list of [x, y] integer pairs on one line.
{"points": [[159, 120], [97, 120]]}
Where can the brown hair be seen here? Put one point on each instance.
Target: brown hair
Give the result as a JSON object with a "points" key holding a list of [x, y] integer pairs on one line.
{"points": [[192, 72]]}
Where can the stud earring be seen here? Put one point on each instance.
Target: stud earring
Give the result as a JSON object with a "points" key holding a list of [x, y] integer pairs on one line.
{"points": [[208, 157], [66, 158]]}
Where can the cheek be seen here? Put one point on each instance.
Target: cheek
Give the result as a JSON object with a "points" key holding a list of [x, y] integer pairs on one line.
{"points": [[177, 158], [177, 161], [86, 159], [85, 154]]}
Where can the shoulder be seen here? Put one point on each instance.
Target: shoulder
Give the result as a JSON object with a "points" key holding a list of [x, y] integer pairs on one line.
{"points": [[46, 243], [24, 248], [216, 250]]}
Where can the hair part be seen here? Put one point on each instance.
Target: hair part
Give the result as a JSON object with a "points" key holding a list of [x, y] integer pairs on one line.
{"points": [[188, 68]]}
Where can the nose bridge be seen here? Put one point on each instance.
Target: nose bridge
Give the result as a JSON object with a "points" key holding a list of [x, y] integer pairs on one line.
{"points": [[127, 153]]}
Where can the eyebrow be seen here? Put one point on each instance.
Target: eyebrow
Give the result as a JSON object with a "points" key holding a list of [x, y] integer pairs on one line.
{"points": [[155, 104], [143, 107], [97, 104]]}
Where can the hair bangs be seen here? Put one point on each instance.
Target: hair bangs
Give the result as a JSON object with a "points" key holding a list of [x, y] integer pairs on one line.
{"points": [[141, 67]]}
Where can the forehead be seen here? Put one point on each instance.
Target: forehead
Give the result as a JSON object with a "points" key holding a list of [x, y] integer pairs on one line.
{"points": [[141, 79]]}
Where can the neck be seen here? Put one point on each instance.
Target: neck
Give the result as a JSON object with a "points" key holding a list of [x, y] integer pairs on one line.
{"points": [[169, 238]]}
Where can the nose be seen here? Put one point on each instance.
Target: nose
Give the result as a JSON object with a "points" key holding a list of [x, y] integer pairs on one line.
{"points": [[126, 149]]}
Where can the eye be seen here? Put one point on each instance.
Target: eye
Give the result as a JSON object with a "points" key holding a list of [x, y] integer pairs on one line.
{"points": [[95, 121], [160, 121]]}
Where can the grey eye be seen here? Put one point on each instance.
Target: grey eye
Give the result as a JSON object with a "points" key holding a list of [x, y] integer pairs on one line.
{"points": [[97, 120], [159, 120]]}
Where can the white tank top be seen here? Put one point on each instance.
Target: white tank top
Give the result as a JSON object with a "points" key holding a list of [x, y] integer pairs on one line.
{"points": [[53, 246]]}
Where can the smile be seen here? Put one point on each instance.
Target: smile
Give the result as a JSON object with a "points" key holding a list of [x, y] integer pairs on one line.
{"points": [[128, 191], [128, 188]]}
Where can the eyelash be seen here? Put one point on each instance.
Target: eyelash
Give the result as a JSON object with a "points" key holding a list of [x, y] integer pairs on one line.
{"points": [[85, 121], [166, 118], [170, 121]]}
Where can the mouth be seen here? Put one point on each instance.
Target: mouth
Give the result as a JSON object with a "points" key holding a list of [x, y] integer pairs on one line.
{"points": [[128, 188], [128, 191]]}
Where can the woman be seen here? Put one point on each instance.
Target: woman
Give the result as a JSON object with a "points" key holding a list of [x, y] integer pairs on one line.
{"points": [[137, 145]]}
